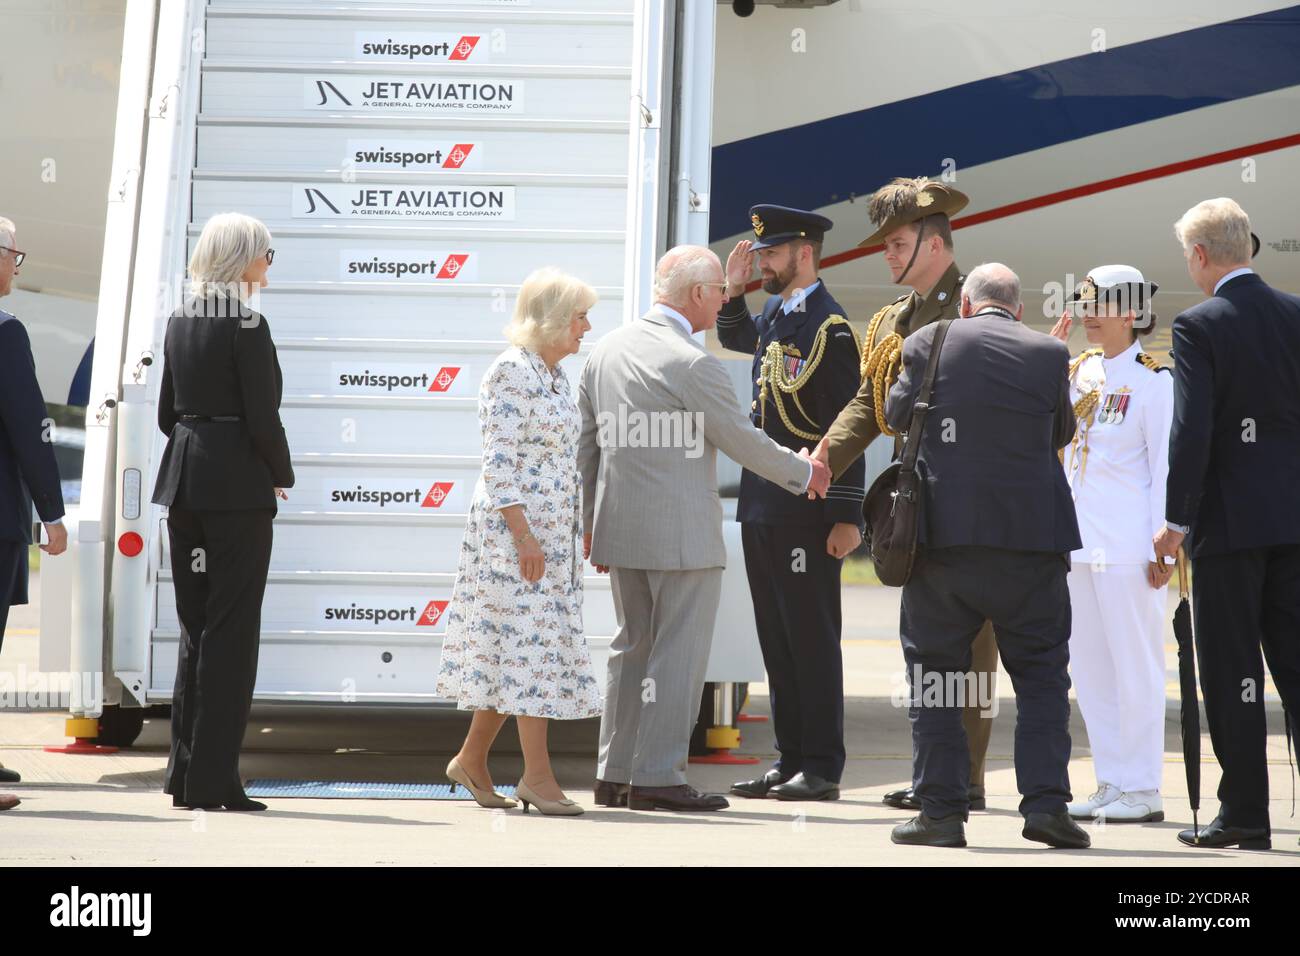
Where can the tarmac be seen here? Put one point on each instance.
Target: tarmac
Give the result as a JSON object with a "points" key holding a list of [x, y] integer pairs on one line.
{"points": [[109, 809]]}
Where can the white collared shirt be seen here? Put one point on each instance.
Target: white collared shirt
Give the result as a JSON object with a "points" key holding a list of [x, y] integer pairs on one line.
{"points": [[792, 303], [1119, 485], [1230, 276], [663, 309]]}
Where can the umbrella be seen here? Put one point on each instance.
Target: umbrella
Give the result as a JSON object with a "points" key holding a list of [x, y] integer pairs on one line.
{"points": [[1189, 714]]}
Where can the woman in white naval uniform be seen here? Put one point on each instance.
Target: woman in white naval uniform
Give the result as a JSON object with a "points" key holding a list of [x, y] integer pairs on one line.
{"points": [[1116, 467]]}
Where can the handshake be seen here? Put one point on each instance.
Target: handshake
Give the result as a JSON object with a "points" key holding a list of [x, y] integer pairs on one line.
{"points": [[821, 469]]}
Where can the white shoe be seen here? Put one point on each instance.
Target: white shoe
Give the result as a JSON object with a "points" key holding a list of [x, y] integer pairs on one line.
{"points": [[1138, 806], [1106, 794]]}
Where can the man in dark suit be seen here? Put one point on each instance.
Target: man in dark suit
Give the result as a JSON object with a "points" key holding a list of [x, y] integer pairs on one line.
{"points": [[28, 472], [996, 534], [805, 370], [1234, 471]]}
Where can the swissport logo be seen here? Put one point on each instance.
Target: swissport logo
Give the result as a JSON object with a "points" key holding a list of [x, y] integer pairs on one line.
{"points": [[465, 47], [444, 379], [412, 154], [452, 266], [459, 153], [422, 47], [437, 494], [433, 613], [410, 265], [396, 378], [393, 494], [378, 611]]}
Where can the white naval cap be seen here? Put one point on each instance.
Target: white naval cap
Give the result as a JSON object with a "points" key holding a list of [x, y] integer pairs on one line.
{"points": [[1126, 279]]}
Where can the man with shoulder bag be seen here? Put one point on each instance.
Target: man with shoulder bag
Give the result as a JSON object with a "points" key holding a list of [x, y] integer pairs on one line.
{"points": [[995, 526]]}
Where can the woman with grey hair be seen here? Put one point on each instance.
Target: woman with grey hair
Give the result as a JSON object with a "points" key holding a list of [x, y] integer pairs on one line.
{"points": [[514, 642], [226, 462]]}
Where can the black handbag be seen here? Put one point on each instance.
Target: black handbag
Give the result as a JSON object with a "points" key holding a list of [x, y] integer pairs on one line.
{"points": [[894, 505]]}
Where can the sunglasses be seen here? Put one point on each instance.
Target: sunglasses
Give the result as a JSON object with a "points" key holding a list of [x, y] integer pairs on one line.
{"points": [[270, 256], [18, 256]]}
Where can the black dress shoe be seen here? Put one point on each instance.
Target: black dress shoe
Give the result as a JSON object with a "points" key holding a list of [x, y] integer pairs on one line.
{"points": [[906, 799], [759, 788], [931, 831], [683, 798], [806, 786], [243, 803], [10, 776], [1055, 829], [609, 794], [1217, 835], [239, 803]]}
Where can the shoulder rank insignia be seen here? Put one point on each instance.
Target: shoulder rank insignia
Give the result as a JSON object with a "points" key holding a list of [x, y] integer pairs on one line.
{"points": [[1144, 359]]}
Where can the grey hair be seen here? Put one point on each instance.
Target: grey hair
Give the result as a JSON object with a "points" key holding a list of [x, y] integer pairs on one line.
{"points": [[681, 269], [992, 283], [1221, 227], [7, 231], [548, 300], [229, 243]]}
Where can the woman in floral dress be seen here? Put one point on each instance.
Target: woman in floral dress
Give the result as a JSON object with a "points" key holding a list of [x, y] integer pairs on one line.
{"points": [[514, 643]]}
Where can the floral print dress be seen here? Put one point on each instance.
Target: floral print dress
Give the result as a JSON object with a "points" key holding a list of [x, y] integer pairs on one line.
{"points": [[511, 645]]}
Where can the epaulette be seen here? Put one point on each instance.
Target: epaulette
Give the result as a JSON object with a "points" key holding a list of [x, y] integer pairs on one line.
{"points": [[1080, 359], [1144, 359]]}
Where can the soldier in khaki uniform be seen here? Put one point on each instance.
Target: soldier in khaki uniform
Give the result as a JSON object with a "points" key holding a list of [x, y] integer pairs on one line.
{"points": [[912, 220]]}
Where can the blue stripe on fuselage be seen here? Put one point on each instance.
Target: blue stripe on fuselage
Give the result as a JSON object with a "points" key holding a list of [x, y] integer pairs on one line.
{"points": [[821, 163]]}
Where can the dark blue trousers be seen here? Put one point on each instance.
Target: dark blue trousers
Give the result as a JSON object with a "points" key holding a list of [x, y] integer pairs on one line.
{"points": [[13, 580], [950, 595], [1244, 602], [795, 585]]}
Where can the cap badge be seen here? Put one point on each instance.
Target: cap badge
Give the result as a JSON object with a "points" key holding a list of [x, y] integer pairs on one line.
{"points": [[758, 225]]}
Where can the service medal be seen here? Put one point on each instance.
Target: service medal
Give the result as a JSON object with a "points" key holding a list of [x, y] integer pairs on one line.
{"points": [[1113, 407]]}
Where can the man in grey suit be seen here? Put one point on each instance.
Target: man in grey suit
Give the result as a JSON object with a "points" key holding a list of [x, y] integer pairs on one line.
{"points": [[656, 407], [997, 532]]}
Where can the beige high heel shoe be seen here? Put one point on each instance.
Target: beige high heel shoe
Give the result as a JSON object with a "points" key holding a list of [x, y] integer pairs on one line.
{"points": [[484, 798], [552, 808]]}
